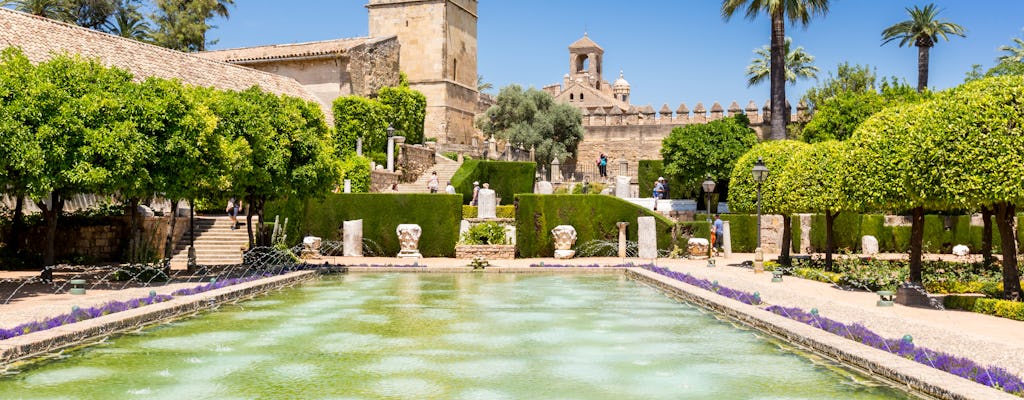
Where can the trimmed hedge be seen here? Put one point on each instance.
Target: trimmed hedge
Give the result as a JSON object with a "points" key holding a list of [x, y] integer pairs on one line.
{"points": [[650, 170], [500, 211], [437, 214], [593, 216], [1000, 308], [896, 239], [742, 227], [506, 178]]}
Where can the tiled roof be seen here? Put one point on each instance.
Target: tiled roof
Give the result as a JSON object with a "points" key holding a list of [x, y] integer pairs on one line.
{"points": [[40, 38], [278, 51], [584, 43]]}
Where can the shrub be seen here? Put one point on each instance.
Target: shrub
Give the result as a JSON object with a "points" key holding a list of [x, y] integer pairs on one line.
{"points": [[506, 178], [508, 212], [438, 216], [1000, 308], [592, 188], [594, 218], [485, 233]]}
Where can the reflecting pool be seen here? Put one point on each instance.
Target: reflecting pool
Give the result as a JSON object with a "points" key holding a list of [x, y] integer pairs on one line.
{"points": [[440, 336]]}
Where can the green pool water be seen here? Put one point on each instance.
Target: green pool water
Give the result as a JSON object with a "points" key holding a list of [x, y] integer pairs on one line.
{"points": [[459, 336]]}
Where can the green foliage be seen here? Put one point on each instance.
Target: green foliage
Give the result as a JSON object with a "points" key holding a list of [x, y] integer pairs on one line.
{"points": [[799, 64], [691, 152], [838, 116], [815, 179], [182, 24], [500, 211], [846, 230], [506, 178], [650, 170], [1000, 308], [592, 188], [437, 214], [485, 233], [776, 155], [849, 79], [407, 108], [594, 218], [532, 119], [356, 169], [357, 116]]}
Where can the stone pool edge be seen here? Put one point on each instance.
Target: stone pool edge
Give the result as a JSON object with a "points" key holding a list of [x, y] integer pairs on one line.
{"points": [[39, 343], [917, 377]]}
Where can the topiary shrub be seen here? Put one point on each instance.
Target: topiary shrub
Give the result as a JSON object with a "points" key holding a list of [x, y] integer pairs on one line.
{"points": [[438, 216], [506, 178], [593, 216], [508, 212], [485, 233], [1000, 308]]}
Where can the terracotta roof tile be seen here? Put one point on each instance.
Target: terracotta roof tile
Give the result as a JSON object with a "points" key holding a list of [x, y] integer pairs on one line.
{"points": [[278, 51]]}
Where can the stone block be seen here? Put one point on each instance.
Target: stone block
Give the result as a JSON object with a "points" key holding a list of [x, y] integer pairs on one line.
{"points": [[868, 245], [697, 247], [487, 203], [622, 186], [647, 237], [545, 187], [352, 238]]}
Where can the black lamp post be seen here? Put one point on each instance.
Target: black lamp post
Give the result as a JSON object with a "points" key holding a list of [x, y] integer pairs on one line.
{"points": [[709, 187], [760, 173], [391, 130]]}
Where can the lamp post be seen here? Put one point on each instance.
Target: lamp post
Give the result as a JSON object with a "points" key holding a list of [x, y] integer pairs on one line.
{"points": [[760, 173], [391, 148], [709, 187]]}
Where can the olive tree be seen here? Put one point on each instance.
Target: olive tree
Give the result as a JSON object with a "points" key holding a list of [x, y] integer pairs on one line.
{"points": [[692, 152], [532, 119], [776, 156]]}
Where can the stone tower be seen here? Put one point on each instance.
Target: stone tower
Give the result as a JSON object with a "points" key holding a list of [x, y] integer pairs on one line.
{"points": [[621, 89], [438, 54], [585, 62]]}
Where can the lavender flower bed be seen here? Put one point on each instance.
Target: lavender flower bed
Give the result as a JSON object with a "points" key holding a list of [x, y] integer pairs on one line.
{"points": [[570, 265], [994, 377], [81, 314], [739, 295], [217, 285]]}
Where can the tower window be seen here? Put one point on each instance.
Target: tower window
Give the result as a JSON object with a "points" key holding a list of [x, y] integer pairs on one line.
{"points": [[455, 68], [571, 98], [581, 96]]}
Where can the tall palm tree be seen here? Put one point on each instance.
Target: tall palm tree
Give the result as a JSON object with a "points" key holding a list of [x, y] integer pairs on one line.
{"points": [[1016, 52], [799, 65], [779, 10], [923, 30], [222, 8], [129, 22], [52, 9]]}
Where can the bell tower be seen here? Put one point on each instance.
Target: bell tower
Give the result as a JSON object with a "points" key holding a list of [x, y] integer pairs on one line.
{"points": [[585, 61], [438, 40]]}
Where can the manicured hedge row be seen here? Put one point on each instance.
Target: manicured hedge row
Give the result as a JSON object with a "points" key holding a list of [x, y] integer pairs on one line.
{"points": [[506, 178], [742, 228], [500, 211], [437, 214], [1000, 308], [593, 216], [649, 171], [849, 228]]}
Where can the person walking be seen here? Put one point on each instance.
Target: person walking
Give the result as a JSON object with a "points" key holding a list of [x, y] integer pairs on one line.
{"points": [[602, 165], [476, 192], [449, 189], [432, 185], [232, 210], [719, 232], [659, 190]]}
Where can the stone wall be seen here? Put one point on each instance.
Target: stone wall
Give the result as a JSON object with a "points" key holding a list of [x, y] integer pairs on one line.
{"points": [[487, 251], [105, 240], [415, 160], [382, 180], [373, 65]]}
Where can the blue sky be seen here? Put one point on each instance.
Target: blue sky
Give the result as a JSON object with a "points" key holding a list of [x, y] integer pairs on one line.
{"points": [[670, 51]]}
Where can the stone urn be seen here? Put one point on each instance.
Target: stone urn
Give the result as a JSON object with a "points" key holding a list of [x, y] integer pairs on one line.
{"points": [[409, 240], [565, 237], [697, 247]]}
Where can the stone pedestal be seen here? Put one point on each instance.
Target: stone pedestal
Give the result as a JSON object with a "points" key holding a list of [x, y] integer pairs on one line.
{"points": [[647, 237], [726, 239], [359, 146], [622, 187], [348, 186], [487, 203], [352, 237], [310, 248], [391, 155], [697, 248], [556, 171], [545, 187], [409, 240], [758, 260], [912, 295], [868, 245], [565, 237], [622, 238]]}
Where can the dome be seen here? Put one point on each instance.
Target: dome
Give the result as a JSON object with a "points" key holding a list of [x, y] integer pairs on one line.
{"points": [[621, 82]]}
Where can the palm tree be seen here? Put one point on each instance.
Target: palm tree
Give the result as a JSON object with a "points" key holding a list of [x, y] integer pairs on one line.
{"points": [[779, 10], [481, 85], [129, 22], [1016, 52], [923, 30], [798, 65], [222, 7], [52, 9]]}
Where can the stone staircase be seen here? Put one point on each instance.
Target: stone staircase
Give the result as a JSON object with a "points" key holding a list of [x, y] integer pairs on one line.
{"points": [[445, 168], [216, 243]]}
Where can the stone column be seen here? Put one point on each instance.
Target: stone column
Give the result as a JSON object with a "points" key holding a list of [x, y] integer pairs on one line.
{"points": [[726, 239], [622, 187], [487, 203], [348, 186], [647, 237], [556, 171], [391, 155], [352, 236], [622, 238], [359, 146]]}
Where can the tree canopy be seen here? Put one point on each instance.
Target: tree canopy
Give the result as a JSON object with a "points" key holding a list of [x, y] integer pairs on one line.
{"points": [[923, 30], [692, 152], [799, 64], [532, 119]]}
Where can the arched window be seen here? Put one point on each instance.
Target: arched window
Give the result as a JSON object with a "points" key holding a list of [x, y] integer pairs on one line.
{"points": [[571, 98], [581, 96], [582, 63]]}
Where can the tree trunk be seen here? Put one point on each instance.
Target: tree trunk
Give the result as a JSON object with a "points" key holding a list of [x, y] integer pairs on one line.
{"points": [[50, 214], [830, 219], [136, 235], [17, 224], [260, 232], [916, 243], [169, 241], [1007, 237], [787, 240], [922, 68], [986, 236], [777, 76], [248, 223]]}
